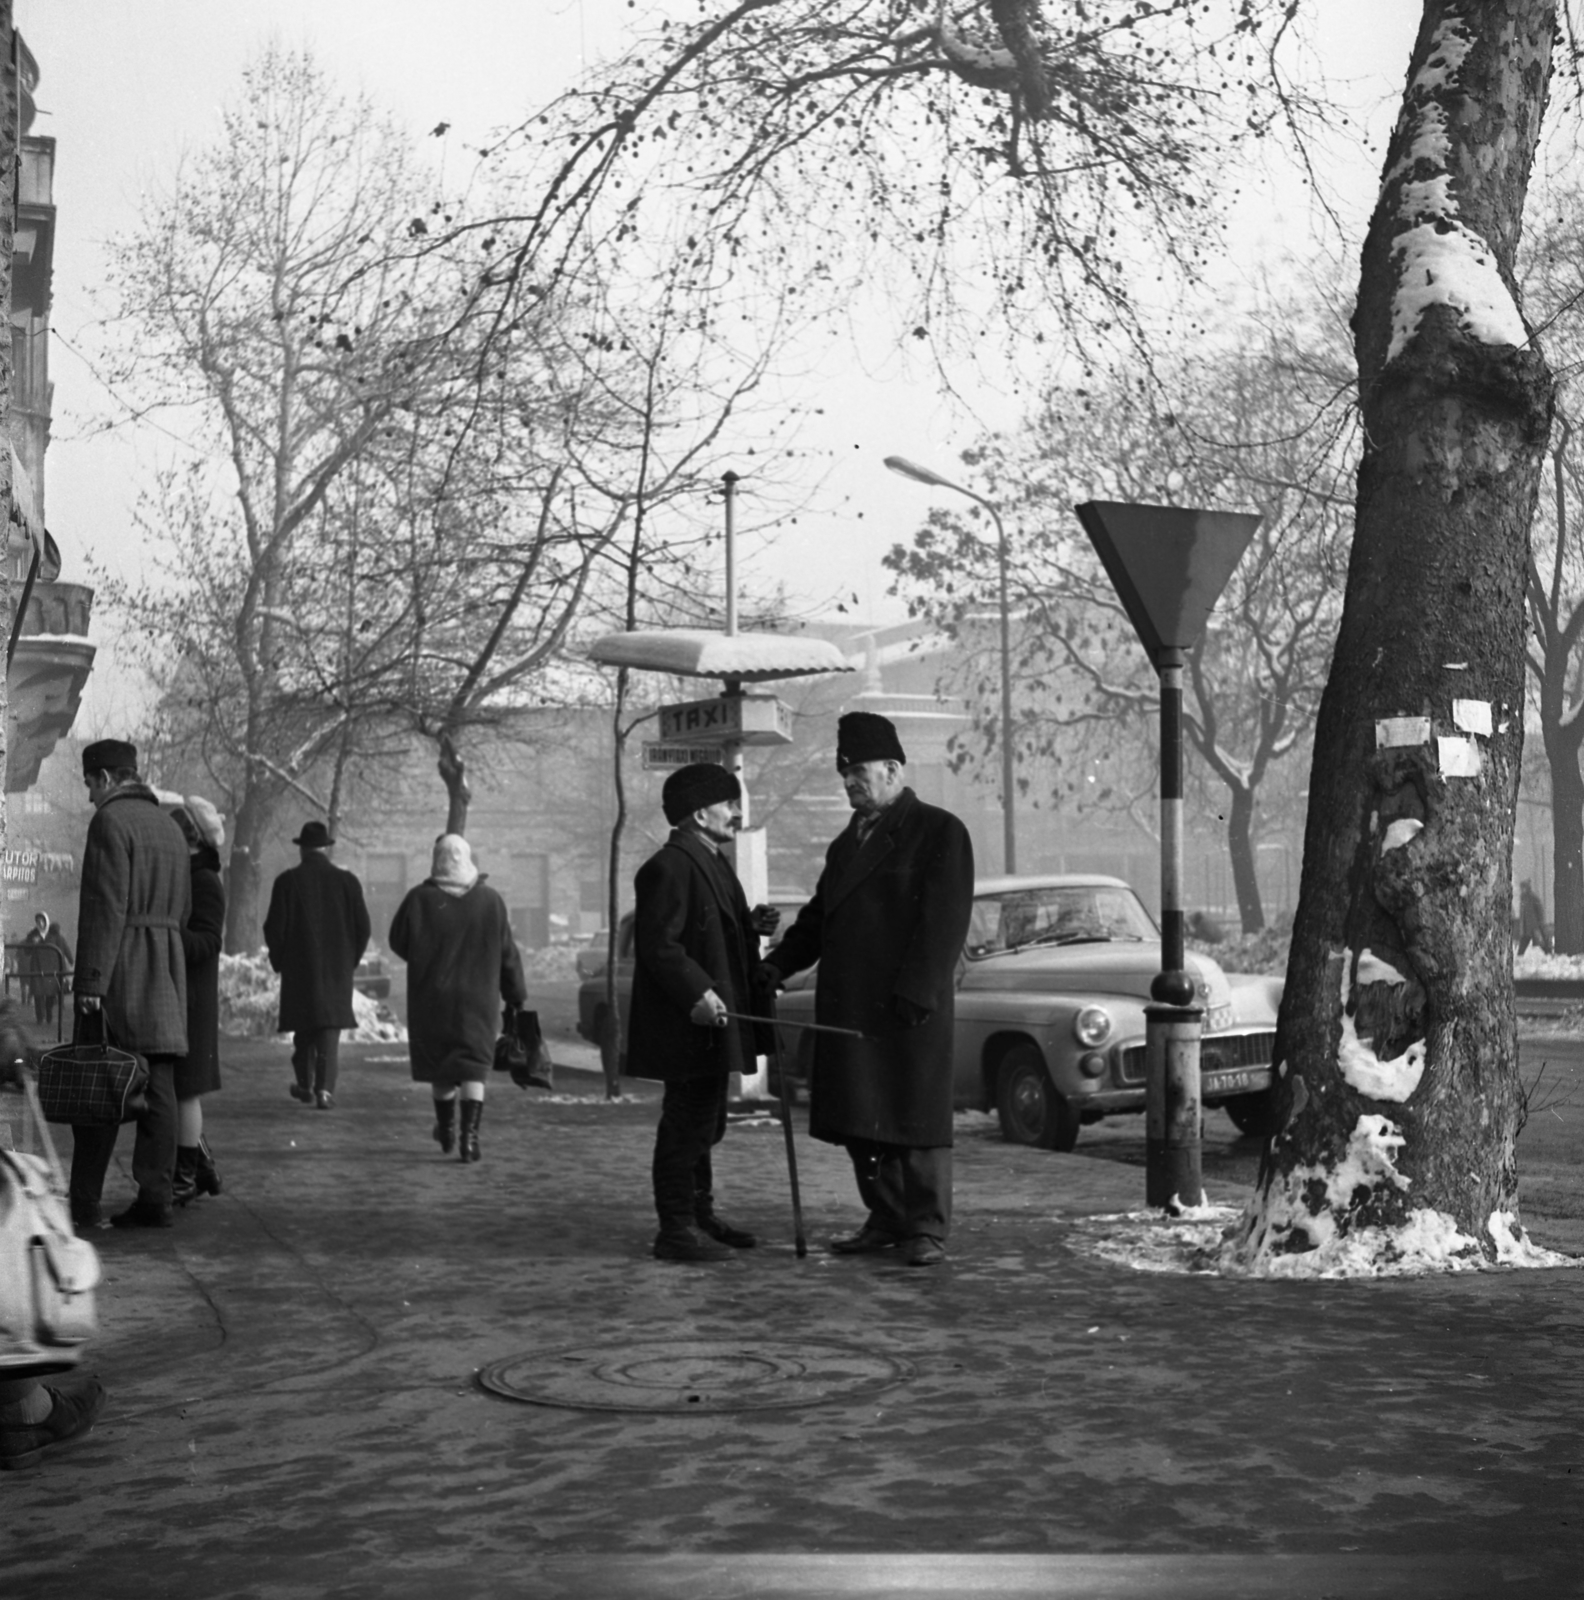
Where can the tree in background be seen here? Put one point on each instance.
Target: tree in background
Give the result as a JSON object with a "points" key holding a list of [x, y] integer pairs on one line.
{"points": [[1553, 285], [1262, 425], [272, 308]]}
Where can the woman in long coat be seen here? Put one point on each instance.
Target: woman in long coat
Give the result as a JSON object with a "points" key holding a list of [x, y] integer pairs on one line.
{"points": [[203, 936], [462, 962]]}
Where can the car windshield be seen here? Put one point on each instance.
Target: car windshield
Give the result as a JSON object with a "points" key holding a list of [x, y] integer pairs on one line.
{"points": [[1061, 914]]}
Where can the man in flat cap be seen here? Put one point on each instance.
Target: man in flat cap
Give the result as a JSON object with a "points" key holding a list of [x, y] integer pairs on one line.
{"points": [[886, 924], [696, 945], [316, 930], [130, 984]]}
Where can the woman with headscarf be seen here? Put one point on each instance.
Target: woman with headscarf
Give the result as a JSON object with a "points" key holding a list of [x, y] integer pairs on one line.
{"points": [[203, 935], [462, 962]]}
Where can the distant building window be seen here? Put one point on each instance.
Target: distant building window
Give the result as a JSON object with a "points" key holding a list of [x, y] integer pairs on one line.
{"points": [[35, 801]]}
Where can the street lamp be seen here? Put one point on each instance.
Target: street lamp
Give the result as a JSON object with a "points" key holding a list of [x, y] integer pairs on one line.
{"points": [[911, 469]]}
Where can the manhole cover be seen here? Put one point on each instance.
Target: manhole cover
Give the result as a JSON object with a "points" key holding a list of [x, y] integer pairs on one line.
{"points": [[690, 1375]]}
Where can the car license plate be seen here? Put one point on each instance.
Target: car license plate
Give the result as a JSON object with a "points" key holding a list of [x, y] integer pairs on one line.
{"points": [[1219, 1081]]}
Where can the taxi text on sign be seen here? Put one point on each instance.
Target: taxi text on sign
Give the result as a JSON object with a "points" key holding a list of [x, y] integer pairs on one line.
{"points": [[727, 719]]}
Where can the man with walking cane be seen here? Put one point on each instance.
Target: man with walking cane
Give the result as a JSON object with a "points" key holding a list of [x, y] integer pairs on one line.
{"points": [[886, 924], [695, 946]]}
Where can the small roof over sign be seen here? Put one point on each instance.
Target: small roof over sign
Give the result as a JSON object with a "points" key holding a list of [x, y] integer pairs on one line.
{"points": [[1168, 564], [704, 653]]}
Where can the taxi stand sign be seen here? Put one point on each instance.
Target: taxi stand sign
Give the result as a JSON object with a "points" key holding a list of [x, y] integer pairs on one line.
{"points": [[752, 719], [668, 757], [1168, 565]]}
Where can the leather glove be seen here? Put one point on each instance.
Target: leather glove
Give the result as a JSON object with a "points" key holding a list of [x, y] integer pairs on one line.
{"points": [[767, 978], [765, 920], [911, 1013], [709, 1010], [86, 1003]]}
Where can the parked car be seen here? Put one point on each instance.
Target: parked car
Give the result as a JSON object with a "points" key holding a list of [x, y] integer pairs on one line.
{"points": [[370, 977], [1051, 991]]}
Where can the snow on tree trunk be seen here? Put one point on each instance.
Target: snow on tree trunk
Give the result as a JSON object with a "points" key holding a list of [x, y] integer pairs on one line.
{"points": [[1398, 1092]]}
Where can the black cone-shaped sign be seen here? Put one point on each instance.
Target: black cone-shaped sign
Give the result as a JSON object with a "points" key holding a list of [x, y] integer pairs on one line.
{"points": [[1168, 564]]}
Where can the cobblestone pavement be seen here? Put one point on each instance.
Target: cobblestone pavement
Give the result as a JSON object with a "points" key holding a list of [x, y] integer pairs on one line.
{"points": [[294, 1409]]}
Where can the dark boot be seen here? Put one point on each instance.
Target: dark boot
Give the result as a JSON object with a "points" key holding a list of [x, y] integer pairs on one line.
{"points": [[208, 1174], [472, 1110], [445, 1125], [184, 1186]]}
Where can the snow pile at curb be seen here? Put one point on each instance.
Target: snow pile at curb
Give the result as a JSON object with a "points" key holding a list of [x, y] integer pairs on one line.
{"points": [[250, 1005], [1151, 1241]]}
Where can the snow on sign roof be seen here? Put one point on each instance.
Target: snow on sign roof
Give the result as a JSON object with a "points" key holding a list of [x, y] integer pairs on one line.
{"points": [[703, 653]]}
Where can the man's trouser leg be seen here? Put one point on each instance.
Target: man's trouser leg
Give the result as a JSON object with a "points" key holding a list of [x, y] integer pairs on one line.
{"points": [[154, 1154], [303, 1057], [692, 1118], [327, 1059], [92, 1147], [907, 1189]]}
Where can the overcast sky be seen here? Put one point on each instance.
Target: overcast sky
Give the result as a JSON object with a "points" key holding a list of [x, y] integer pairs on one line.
{"points": [[126, 86]]}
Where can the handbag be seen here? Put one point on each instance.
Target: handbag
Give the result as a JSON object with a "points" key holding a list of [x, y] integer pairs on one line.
{"points": [[521, 1050], [91, 1082], [47, 1274]]}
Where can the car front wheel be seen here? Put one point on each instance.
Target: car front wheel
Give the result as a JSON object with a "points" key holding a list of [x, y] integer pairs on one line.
{"points": [[1031, 1111]]}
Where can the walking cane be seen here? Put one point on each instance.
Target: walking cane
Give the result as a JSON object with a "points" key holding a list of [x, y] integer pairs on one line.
{"points": [[799, 1241]]}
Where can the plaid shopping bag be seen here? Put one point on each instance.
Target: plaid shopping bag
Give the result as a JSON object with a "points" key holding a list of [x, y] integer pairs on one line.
{"points": [[91, 1083]]}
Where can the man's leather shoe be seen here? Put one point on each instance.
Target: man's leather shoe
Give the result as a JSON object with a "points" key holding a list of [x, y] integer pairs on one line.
{"points": [[300, 1091], [143, 1214], [688, 1244], [325, 1100], [866, 1242], [923, 1251], [72, 1413], [725, 1233]]}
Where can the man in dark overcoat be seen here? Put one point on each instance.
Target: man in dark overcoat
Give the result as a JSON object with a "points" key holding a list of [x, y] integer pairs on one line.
{"points": [[886, 924], [131, 979], [695, 947], [316, 931]]}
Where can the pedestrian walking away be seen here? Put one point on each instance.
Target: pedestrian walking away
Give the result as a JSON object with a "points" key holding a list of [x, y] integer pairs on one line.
{"points": [[130, 984], [316, 931], [198, 1072], [886, 925], [44, 964], [695, 948], [462, 963]]}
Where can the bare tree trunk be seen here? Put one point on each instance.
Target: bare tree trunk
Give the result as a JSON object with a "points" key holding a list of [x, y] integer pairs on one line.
{"points": [[1240, 847], [244, 886], [611, 1052], [1407, 864], [453, 774]]}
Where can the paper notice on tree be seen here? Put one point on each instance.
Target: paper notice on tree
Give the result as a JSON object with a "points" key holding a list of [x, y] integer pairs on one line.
{"points": [[1472, 716], [1393, 731], [1459, 756]]}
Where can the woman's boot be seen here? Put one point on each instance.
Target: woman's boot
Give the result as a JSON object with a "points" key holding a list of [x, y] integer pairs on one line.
{"points": [[184, 1184], [472, 1110], [445, 1125], [207, 1175]]}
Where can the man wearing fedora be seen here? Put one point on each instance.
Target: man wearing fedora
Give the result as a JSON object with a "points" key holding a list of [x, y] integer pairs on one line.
{"points": [[317, 930], [130, 985], [695, 947], [886, 924]]}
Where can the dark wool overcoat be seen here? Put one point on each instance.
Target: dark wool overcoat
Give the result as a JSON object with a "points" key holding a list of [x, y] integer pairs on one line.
{"points": [[462, 962], [887, 920], [691, 933], [202, 940], [135, 896], [317, 930]]}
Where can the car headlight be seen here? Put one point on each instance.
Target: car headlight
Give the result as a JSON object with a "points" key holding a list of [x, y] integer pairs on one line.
{"points": [[1092, 1026]]}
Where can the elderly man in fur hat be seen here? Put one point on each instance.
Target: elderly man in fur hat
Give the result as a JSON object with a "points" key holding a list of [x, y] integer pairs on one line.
{"points": [[696, 945], [886, 924]]}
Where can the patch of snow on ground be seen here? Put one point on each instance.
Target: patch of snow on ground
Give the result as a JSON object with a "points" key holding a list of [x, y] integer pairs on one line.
{"points": [[1151, 1241]]}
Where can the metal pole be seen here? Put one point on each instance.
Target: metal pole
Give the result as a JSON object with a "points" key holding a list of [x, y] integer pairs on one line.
{"points": [[730, 481], [1173, 1024], [1008, 813]]}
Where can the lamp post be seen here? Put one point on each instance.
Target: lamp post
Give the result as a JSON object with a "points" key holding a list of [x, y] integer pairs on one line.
{"points": [[911, 469]]}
